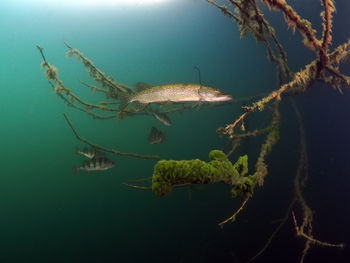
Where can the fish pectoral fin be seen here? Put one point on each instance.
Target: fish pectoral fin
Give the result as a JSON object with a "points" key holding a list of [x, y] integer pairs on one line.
{"points": [[198, 105], [166, 104], [139, 106]]}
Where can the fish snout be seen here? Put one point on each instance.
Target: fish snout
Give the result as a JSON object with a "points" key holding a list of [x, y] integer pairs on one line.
{"points": [[226, 97], [221, 97]]}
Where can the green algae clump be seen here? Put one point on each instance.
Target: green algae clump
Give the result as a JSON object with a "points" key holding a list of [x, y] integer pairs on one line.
{"points": [[168, 173]]}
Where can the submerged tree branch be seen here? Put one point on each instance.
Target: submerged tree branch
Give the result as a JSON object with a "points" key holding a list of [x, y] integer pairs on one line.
{"points": [[154, 157]]}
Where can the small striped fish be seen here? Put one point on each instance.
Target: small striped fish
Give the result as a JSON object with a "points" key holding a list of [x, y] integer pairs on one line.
{"points": [[162, 117], [156, 136], [95, 164], [89, 152]]}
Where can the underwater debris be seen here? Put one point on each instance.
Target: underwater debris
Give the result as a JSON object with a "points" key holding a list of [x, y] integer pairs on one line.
{"points": [[156, 136]]}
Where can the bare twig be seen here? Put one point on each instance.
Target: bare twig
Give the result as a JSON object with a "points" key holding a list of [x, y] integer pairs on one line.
{"points": [[233, 217]]}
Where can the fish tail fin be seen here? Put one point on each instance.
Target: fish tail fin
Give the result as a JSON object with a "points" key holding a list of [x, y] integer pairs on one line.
{"points": [[75, 169], [76, 150], [124, 99]]}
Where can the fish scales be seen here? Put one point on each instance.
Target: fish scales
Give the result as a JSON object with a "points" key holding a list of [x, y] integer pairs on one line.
{"points": [[175, 93], [95, 164]]}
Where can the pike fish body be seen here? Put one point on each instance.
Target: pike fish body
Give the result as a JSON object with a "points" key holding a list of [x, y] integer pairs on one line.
{"points": [[177, 93]]}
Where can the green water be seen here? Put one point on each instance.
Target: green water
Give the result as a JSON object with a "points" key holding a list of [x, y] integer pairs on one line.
{"points": [[50, 215]]}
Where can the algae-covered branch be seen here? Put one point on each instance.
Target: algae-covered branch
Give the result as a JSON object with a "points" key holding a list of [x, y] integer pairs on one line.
{"points": [[219, 169]]}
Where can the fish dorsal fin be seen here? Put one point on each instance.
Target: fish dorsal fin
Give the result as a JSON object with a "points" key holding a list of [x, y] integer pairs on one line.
{"points": [[199, 75], [99, 154], [139, 86]]}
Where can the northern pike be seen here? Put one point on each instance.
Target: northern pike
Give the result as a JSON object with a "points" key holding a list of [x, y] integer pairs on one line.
{"points": [[174, 93], [95, 164]]}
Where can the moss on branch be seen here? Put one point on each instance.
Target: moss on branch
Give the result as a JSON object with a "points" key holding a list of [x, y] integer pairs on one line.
{"points": [[168, 173]]}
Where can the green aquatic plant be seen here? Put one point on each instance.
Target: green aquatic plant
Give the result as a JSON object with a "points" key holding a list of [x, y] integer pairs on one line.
{"points": [[168, 173]]}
